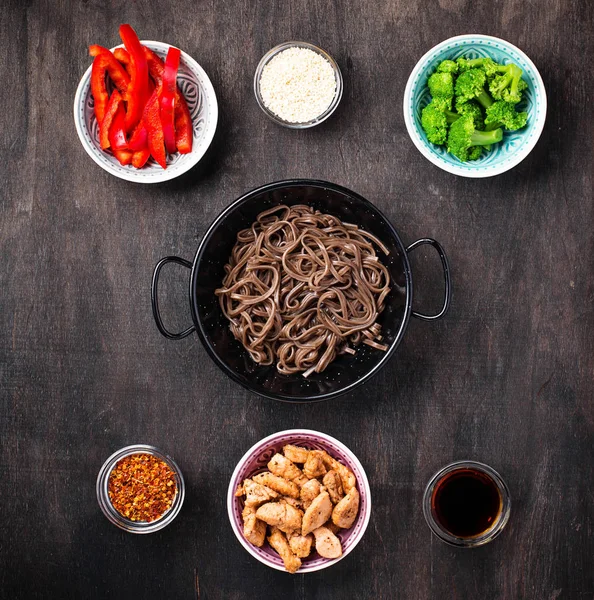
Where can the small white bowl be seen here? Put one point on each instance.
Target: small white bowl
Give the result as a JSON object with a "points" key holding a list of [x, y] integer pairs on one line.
{"points": [[202, 102], [321, 117], [516, 145], [255, 460]]}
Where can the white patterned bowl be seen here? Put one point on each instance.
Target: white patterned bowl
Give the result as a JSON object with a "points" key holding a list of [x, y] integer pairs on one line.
{"points": [[516, 145], [254, 461], [202, 102]]}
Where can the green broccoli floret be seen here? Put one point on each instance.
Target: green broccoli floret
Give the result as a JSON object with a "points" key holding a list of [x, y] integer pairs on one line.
{"points": [[504, 114], [463, 136], [470, 85], [508, 84], [487, 64], [475, 152], [475, 111], [435, 118], [447, 66], [441, 85]]}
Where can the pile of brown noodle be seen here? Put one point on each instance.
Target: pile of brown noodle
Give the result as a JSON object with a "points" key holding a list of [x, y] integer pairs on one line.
{"points": [[301, 287]]}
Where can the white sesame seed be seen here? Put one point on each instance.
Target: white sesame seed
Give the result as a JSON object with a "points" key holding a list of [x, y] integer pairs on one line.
{"points": [[297, 85]]}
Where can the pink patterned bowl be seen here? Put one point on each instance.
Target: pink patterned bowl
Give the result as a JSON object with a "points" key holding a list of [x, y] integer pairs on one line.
{"points": [[254, 461]]}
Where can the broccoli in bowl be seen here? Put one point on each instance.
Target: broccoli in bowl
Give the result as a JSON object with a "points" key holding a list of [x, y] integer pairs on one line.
{"points": [[473, 102]]}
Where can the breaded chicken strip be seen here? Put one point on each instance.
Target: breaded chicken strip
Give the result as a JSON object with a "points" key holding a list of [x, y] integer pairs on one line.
{"points": [[346, 476], [294, 502], [300, 544], [314, 466], [278, 484], [256, 494], [281, 515], [327, 544], [280, 465], [317, 514], [279, 542], [345, 512], [254, 530], [295, 453], [333, 484], [309, 491]]}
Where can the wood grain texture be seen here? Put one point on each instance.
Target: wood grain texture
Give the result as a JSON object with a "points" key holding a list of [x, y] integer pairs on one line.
{"points": [[506, 378]]}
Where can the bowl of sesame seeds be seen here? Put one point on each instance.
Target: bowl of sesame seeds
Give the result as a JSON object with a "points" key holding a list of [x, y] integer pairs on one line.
{"points": [[298, 85], [140, 489]]}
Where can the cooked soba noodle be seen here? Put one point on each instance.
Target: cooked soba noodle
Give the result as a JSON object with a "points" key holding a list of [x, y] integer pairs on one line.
{"points": [[301, 287]]}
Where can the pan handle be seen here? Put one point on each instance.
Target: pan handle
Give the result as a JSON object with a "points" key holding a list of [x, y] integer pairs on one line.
{"points": [[155, 298], [447, 276]]}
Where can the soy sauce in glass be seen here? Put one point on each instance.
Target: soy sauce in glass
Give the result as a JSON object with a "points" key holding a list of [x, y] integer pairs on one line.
{"points": [[466, 504]]}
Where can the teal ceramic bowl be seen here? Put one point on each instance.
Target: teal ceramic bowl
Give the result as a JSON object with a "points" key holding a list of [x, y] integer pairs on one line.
{"points": [[515, 145]]}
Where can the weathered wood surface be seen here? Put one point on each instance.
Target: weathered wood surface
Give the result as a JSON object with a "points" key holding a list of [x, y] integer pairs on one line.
{"points": [[507, 378]]}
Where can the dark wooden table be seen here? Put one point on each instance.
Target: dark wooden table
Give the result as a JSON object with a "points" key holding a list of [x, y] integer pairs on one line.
{"points": [[505, 378]]}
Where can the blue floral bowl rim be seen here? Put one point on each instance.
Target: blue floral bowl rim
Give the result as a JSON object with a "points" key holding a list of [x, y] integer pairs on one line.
{"points": [[479, 171]]}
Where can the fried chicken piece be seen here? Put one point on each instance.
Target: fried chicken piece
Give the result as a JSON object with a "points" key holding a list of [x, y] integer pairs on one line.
{"points": [[327, 544], [333, 484], [279, 542], [309, 491], [346, 476], [278, 484], [280, 465], [281, 515], [296, 454], [240, 491], [254, 530], [256, 494], [345, 512], [314, 466], [300, 544], [333, 528], [292, 501], [317, 514]]}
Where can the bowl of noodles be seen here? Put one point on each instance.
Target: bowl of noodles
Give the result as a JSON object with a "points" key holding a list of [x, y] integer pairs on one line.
{"points": [[300, 290]]}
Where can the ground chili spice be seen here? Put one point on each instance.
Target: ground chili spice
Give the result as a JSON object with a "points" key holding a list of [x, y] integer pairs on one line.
{"points": [[141, 487]]}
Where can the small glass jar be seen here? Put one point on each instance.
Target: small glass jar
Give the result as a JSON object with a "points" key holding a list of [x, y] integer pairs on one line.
{"points": [[485, 536], [315, 121], [118, 519]]}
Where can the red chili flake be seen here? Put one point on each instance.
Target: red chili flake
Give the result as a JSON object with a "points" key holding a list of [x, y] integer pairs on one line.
{"points": [[142, 487]]}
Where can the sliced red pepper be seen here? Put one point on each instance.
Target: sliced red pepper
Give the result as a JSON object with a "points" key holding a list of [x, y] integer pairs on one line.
{"points": [[122, 55], [138, 140], [138, 89], [152, 122], [140, 157], [184, 135], [106, 63], [124, 156], [113, 104], [167, 99], [96, 49], [117, 130]]}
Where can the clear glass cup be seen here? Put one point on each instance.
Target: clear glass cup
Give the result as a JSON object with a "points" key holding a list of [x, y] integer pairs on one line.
{"points": [[317, 120], [114, 516], [482, 538]]}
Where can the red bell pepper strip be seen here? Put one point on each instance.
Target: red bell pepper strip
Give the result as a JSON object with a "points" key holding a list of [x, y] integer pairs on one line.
{"points": [[124, 156], [113, 104], [140, 157], [152, 122], [117, 131], [105, 62], [167, 99], [138, 139], [183, 120], [122, 55], [184, 133], [138, 90]]}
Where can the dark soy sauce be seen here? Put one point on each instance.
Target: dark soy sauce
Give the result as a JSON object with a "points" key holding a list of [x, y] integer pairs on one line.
{"points": [[466, 503]]}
